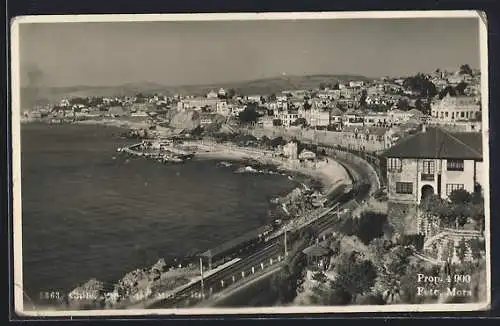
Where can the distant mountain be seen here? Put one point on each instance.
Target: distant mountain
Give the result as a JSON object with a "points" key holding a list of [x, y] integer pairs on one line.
{"points": [[31, 96]]}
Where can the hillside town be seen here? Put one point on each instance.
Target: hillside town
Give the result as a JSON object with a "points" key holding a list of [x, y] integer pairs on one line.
{"points": [[421, 136], [368, 115]]}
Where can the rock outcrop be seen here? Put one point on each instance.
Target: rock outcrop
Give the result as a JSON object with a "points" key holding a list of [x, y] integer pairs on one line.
{"points": [[90, 294]]}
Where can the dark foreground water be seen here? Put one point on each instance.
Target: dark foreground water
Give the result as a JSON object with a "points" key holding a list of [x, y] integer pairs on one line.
{"points": [[90, 212]]}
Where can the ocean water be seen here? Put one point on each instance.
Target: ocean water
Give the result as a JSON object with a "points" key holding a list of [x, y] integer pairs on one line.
{"points": [[89, 212]]}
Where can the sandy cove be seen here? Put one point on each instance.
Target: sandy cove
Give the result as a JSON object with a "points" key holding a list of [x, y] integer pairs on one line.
{"points": [[330, 173]]}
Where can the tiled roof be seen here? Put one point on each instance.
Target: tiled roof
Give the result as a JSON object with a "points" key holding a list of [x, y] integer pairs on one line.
{"points": [[336, 112], [438, 143]]}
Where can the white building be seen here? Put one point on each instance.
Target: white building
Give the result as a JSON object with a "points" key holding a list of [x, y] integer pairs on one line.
{"points": [[397, 116], [434, 161], [319, 117], [287, 118], [212, 95], [376, 119], [456, 108], [222, 92], [64, 102], [354, 84], [290, 150], [266, 122], [222, 108]]}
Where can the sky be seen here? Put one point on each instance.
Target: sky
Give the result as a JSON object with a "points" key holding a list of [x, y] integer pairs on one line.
{"points": [[201, 52]]}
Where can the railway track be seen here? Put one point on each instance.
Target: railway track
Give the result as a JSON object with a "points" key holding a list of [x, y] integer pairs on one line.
{"points": [[261, 257]]}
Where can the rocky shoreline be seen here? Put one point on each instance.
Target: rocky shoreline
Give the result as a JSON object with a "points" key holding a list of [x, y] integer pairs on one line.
{"points": [[133, 287], [144, 283]]}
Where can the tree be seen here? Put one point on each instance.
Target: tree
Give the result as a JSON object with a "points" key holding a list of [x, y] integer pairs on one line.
{"points": [[460, 196], [322, 86], [370, 226], [281, 285], [462, 250], [398, 260], [403, 104], [231, 93], [354, 275], [300, 122], [476, 247], [418, 105], [465, 69], [272, 97], [364, 95], [447, 90], [420, 84], [265, 141], [330, 295], [249, 115], [460, 88], [307, 105], [408, 283], [278, 141]]}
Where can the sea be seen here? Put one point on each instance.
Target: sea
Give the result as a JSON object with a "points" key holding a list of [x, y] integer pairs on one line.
{"points": [[91, 212]]}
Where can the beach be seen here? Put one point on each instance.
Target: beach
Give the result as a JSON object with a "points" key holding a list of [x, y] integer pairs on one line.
{"points": [[329, 172]]}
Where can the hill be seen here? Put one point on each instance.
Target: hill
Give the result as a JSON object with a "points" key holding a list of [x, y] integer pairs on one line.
{"points": [[32, 96]]}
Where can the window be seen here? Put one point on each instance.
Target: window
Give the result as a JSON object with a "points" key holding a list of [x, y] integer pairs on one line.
{"points": [[455, 165], [446, 114], [450, 187], [394, 165], [404, 187], [428, 170], [462, 115], [428, 167]]}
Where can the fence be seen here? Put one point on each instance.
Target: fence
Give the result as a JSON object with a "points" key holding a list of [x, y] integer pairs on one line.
{"points": [[232, 281]]}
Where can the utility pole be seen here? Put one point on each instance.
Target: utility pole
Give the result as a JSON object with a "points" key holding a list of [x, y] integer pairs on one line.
{"points": [[201, 274]]}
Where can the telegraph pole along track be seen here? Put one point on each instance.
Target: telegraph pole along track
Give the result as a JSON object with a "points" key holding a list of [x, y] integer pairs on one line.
{"points": [[268, 255]]}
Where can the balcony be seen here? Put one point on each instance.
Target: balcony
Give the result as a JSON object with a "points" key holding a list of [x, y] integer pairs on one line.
{"points": [[427, 177]]}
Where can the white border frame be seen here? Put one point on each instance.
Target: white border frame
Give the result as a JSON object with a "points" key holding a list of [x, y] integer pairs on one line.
{"points": [[16, 157]]}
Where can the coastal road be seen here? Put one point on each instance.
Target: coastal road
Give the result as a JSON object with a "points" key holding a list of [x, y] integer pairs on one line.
{"points": [[261, 260]]}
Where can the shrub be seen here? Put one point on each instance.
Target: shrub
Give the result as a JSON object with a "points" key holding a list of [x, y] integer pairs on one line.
{"points": [[416, 240]]}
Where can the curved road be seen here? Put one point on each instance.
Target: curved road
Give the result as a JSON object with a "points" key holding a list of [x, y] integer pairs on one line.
{"points": [[263, 257]]}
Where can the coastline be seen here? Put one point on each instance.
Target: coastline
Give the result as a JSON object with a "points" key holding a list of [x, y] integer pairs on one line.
{"points": [[330, 174]]}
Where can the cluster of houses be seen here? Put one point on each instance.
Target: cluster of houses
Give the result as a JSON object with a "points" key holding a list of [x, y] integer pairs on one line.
{"points": [[334, 108]]}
